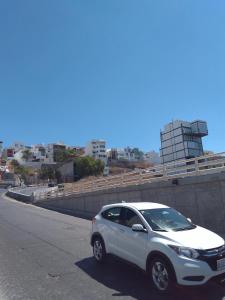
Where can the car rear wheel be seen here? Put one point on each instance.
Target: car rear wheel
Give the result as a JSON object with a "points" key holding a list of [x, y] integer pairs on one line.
{"points": [[162, 275], [99, 250]]}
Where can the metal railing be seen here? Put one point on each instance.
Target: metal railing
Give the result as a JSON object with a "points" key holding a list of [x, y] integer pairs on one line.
{"points": [[178, 169]]}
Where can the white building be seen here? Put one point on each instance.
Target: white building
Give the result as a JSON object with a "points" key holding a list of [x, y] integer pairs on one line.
{"points": [[152, 157], [182, 140], [19, 157], [97, 150], [121, 154], [126, 153], [15, 151], [39, 153], [51, 150]]}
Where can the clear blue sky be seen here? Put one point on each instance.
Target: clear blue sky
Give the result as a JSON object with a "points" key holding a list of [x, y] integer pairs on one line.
{"points": [[118, 70]]}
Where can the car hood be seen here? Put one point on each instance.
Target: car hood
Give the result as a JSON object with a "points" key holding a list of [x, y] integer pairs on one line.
{"points": [[197, 238]]}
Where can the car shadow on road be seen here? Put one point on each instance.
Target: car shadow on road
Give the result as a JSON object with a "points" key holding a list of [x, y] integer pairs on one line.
{"points": [[128, 280]]}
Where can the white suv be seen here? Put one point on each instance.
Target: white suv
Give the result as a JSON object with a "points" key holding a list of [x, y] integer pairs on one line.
{"points": [[161, 241]]}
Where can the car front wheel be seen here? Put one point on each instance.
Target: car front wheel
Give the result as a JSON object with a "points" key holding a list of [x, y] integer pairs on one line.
{"points": [[162, 275], [99, 250]]}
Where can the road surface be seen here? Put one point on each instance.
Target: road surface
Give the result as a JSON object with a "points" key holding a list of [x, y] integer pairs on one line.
{"points": [[46, 255]]}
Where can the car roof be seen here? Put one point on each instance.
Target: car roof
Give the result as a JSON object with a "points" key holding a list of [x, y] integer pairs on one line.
{"points": [[137, 205]]}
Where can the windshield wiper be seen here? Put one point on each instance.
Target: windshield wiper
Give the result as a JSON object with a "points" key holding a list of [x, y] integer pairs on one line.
{"points": [[184, 228], [160, 229]]}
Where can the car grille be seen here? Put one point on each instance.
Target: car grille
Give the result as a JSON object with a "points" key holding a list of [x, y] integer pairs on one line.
{"points": [[212, 255]]}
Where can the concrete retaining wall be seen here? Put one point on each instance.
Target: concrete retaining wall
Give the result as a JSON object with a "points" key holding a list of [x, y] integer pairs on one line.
{"points": [[27, 194], [19, 196], [202, 198]]}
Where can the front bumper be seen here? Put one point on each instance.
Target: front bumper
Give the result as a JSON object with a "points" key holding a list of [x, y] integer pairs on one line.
{"points": [[194, 272]]}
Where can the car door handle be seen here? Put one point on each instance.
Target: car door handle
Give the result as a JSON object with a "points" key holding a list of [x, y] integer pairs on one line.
{"points": [[121, 230]]}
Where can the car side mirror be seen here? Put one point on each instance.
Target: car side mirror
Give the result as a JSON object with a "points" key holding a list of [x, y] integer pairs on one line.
{"points": [[138, 228]]}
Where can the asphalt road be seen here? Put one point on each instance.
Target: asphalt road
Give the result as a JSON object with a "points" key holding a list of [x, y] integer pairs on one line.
{"points": [[46, 255]]}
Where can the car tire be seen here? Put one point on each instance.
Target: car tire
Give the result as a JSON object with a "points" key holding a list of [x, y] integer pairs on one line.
{"points": [[99, 250], [162, 275]]}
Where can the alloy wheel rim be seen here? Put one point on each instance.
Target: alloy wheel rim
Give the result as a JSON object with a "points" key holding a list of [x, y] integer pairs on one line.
{"points": [[98, 250], [160, 276]]}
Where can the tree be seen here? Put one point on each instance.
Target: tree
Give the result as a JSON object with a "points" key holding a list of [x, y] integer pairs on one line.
{"points": [[138, 153], [26, 154], [98, 167], [64, 155], [86, 166], [47, 172], [21, 171], [14, 163]]}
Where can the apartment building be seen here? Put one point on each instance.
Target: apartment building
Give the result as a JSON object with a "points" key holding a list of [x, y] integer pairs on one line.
{"points": [[121, 154], [51, 151], [15, 151], [39, 153], [182, 140], [97, 150]]}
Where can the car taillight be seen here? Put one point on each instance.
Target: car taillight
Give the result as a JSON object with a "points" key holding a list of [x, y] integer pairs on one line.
{"points": [[93, 221]]}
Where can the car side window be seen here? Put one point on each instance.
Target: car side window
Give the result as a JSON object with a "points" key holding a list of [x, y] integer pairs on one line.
{"points": [[131, 218], [112, 214]]}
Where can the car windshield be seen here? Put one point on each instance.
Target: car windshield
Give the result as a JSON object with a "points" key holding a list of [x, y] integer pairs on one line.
{"points": [[166, 219]]}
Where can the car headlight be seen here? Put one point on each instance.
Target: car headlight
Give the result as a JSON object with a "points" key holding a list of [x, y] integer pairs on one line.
{"points": [[184, 251]]}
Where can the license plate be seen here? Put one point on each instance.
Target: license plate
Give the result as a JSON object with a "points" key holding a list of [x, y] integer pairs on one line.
{"points": [[221, 264]]}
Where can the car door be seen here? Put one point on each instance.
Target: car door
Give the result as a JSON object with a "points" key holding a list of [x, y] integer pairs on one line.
{"points": [[110, 228], [132, 245]]}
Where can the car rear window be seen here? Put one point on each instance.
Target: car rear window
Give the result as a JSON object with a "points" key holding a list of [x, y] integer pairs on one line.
{"points": [[112, 214]]}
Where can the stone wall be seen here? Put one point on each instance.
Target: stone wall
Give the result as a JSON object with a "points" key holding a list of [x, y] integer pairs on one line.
{"points": [[201, 198]]}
